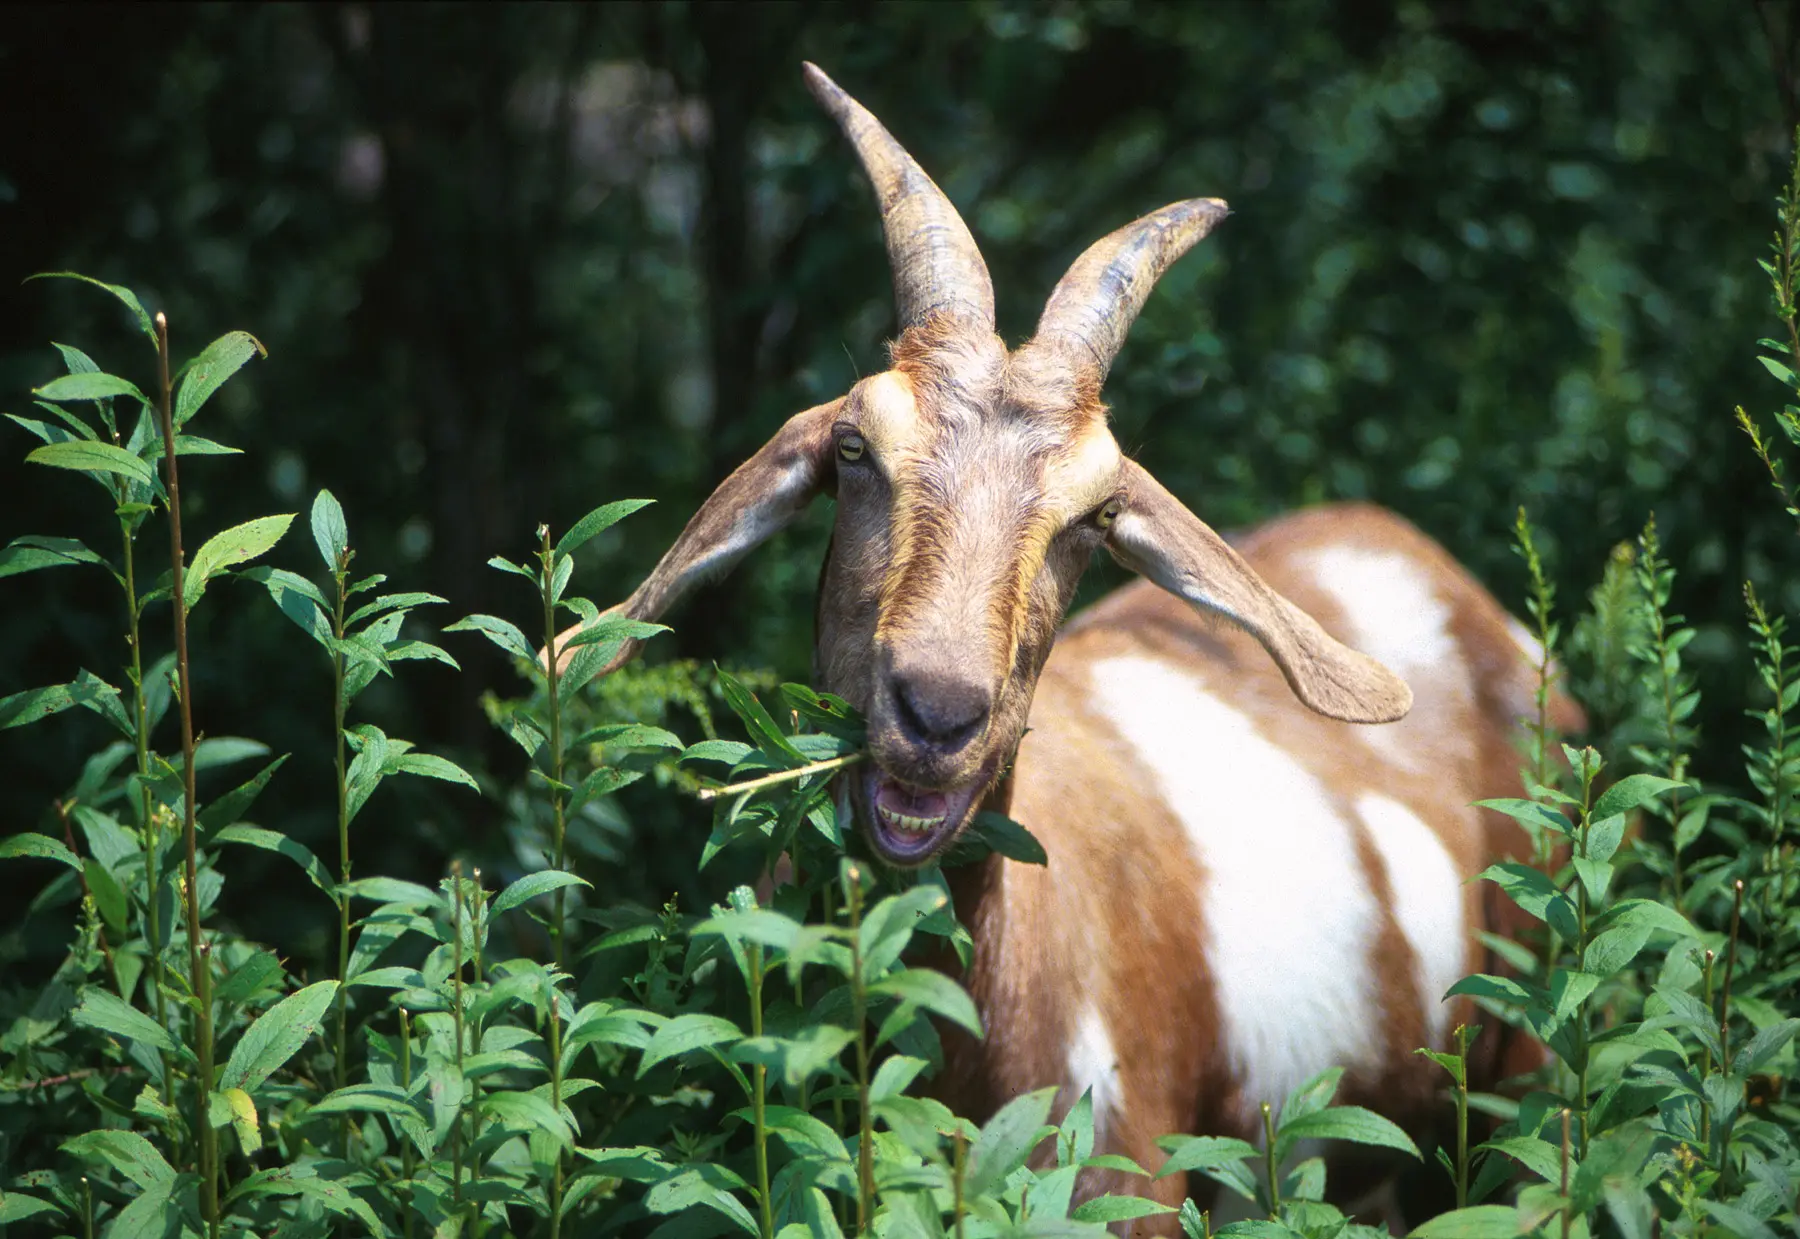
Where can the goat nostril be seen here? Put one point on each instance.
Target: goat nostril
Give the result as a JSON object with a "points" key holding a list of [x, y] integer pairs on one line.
{"points": [[941, 711]]}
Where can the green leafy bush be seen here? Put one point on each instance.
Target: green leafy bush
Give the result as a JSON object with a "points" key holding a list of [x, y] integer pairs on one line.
{"points": [[529, 1058]]}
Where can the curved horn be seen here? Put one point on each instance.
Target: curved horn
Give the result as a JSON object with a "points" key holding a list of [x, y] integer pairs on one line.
{"points": [[1094, 305], [937, 268]]}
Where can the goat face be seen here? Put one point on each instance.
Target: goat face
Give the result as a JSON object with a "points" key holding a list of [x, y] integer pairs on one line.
{"points": [[973, 485], [972, 489]]}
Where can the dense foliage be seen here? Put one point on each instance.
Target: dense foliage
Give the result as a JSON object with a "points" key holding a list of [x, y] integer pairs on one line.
{"points": [[1483, 258]]}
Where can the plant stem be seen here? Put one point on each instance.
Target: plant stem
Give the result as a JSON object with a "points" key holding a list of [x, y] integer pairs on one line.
{"points": [[865, 1144], [406, 1148], [1565, 1172], [1653, 583], [1581, 945], [1462, 1118], [781, 776], [456, 1020], [198, 964], [1737, 908], [140, 716], [959, 1160], [343, 823], [1268, 1117], [759, 1092], [547, 582]]}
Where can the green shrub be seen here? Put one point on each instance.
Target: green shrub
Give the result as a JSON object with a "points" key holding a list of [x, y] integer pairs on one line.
{"points": [[519, 1059]]}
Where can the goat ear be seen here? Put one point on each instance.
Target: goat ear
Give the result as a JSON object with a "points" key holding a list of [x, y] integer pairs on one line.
{"points": [[1155, 536], [759, 498]]}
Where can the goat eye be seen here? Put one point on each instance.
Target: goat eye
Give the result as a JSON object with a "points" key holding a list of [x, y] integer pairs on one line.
{"points": [[1108, 513], [851, 447]]}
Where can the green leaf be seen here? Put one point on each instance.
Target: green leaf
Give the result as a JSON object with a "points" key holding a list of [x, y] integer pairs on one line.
{"points": [[702, 1183], [194, 445], [126, 1152], [1780, 371], [1204, 1152], [367, 1098], [93, 386], [123, 294], [628, 736], [759, 925], [42, 847], [330, 1195], [1568, 990], [1528, 813], [243, 1119], [230, 807], [262, 971], [431, 766], [933, 991], [1109, 1209], [275, 841], [206, 373], [330, 533], [34, 704], [684, 1033], [612, 628], [298, 599], [1630, 792], [506, 636], [798, 1058], [1525, 886], [277, 1036], [889, 925], [1612, 949], [896, 1074], [1008, 1140], [29, 553], [239, 544], [528, 1112], [1604, 836], [756, 720], [532, 885], [1005, 836], [1539, 1156], [153, 1213], [106, 1011], [16, 1206], [601, 518], [94, 458], [109, 898], [388, 602], [1477, 1222], [1764, 1046], [1352, 1123]]}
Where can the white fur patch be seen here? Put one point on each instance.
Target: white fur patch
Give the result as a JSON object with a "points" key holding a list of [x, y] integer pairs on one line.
{"points": [[1288, 919], [1428, 902], [1395, 615], [1094, 1065]]}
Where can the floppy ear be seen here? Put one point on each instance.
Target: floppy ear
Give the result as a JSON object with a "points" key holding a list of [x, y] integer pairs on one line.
{"points": [[759, 498], [1157, 537]]}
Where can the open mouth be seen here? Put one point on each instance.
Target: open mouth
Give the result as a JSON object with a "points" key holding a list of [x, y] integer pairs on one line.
{"points": [[910, 825]]}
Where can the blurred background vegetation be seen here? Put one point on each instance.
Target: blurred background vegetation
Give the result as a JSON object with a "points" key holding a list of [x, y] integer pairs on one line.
{"points": [[513, 261]]}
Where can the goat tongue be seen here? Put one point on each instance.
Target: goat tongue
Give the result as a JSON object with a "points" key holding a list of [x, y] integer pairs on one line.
{"points": [[902, 801]]}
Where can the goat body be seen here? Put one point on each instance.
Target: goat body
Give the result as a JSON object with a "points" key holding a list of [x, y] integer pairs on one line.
{"points": [[1241, 892]]}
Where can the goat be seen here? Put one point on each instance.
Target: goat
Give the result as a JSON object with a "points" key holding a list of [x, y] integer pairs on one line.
{"points": [[1240, 892]]}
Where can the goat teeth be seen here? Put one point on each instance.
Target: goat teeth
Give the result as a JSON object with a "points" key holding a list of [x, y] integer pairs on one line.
{"points": [[910, 825]]}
